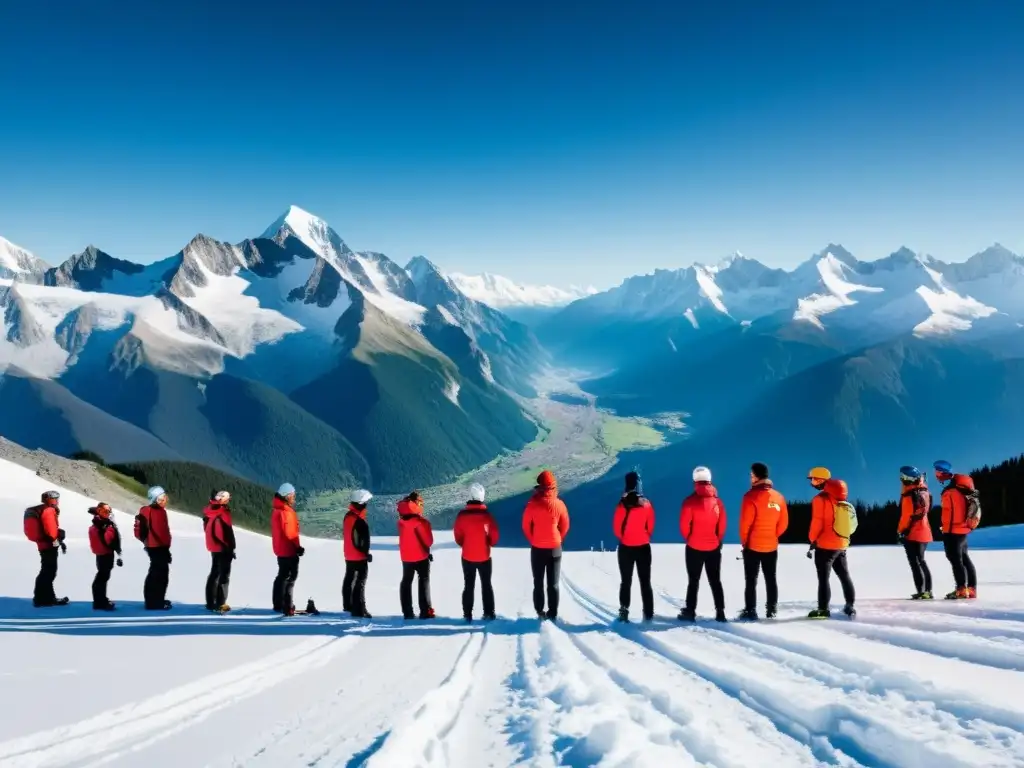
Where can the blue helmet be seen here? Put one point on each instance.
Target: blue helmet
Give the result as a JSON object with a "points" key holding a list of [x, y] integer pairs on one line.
{"points": [[910, 474], [943, 467]]}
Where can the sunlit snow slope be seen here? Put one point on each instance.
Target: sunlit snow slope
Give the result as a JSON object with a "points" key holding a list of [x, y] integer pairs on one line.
{"points": [[907, 684]]}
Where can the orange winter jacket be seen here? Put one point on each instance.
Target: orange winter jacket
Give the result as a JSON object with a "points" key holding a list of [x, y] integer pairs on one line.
{"points": [[954, 505], [915, 503], [356, 531], [284, 529], [702, 518], [104, 538], [220, 533], [415, 534], [476, 532], [633, 525], [823, 516], [546, 519], [159, 527], [764, 517]]}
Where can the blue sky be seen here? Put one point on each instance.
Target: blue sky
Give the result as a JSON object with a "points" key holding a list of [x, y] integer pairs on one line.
{"points": [[550, 144]]}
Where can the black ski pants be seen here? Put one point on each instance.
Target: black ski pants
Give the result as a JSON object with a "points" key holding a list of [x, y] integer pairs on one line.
{"points": [[469, 572], [918, 566], [639, 557], [44, 594], [964, 574], [420, 569], [219, 580], [825, 562], [104, 567], [154, 589], [353, 587], [698, 561], [284, 584], [753, 564], [546, 563]]}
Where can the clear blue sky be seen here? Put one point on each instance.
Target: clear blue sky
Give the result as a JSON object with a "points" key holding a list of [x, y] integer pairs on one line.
{"points": [[548, 144]]}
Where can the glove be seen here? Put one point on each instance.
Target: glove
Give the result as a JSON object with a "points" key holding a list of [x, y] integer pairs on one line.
{"points": [[168, 558], [120, 562], [810, 553], [369, 558], [63, 548], [901, 537], [430, 558], [61, 534], [300, 551], [234, 555]]}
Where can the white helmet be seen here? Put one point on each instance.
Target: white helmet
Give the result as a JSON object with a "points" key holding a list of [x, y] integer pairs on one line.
{"points": [[702, 475], [222, 497], [361, 496], [155, 493], [285, 490], [477, 492]]}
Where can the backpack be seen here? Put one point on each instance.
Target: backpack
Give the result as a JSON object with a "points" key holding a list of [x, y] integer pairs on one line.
{"points": [[34, 525], [972, 507], [844, 523], [141, 528]]}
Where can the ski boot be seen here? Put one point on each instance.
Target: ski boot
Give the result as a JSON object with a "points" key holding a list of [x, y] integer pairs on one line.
{"points": [[468, 618], [972, 593], [720, 616], [688, 614], [164, 606], [107, 606], [311, 608], [850, 611], [820, 613], [56, 602], [488, 617], [428, 614], [959, 594], [542, 616], [770, 611], [361, 614], [748, 614], [406, 616], [648, 617], [552, 616], [921, 596], [624, 615]]}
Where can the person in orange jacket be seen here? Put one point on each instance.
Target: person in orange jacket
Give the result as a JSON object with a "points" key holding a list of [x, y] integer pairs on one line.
{"points": [[153, 530], [476, 532], [42, 528], [702, 521], [284, 536], [105, 542], [220, 543], [356, 532], [956, 528], [415, 538], [914, 530], [828, 547], [546, 523], [764, 517], [633, 525]]}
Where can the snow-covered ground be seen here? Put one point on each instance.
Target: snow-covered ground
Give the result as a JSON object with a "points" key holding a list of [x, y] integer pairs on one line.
{"points": [[906, 684]]}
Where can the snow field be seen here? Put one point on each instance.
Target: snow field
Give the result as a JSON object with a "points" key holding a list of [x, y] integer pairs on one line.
{"points": [[907, 684]]}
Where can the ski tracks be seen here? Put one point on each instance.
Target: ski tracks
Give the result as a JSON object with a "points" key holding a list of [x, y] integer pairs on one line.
{"points": [[841, 706], [139, 725]]}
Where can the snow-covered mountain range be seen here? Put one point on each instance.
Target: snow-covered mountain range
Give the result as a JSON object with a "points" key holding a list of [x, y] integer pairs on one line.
{"points": [[501, 293], [407, 377]]}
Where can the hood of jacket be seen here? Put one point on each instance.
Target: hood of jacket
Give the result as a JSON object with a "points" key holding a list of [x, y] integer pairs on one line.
{"points": [[408, 509], [837, 490], [705, 489], [357, 512]]}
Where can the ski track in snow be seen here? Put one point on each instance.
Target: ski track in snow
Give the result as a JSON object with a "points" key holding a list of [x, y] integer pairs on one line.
{"points": [[142, 724]]}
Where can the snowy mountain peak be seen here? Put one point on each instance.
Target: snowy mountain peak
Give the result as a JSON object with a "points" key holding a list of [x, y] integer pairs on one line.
{"points": [[312, 231], [15, 261], [500, 292]]}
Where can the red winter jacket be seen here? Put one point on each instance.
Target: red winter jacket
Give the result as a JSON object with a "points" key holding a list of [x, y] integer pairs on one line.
{"points": [[635, 528], [220, 533], [159, 527], [357, 534], [415, 534], [915, 504], [49, 523], [702, 519], [476, 532], [104, 538], [284, 529], [545, 519]]}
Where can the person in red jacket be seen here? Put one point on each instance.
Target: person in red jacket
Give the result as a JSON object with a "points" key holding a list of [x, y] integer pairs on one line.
{"points": [[284, 536], [702, 523], [42, 528], [105, 542], [956, 528], [764, 517], [356, 533], [476, 532], [914, 530], [633, 524], [545, 523], [220, 543], [153, 530], [415, 538]]}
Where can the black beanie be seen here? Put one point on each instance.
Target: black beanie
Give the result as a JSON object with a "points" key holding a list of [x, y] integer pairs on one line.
{"points": [[759, 470], [633, 483]]}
